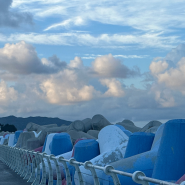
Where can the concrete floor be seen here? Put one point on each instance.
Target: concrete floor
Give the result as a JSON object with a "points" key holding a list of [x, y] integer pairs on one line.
{"points": [[9, 177]]}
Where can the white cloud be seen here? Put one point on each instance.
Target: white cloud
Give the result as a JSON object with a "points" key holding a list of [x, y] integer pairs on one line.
{"points": [[7, 94], [149, 16], [76, 63], [169, 71], [13, 19], [68, 87], [77, 89], [93, 56], [174, 78], [163, 96], [77, 21], [158, 67], [101, 41], [108, 66], [131, 56], [175, 54], [169, 75], [21, 58], [72, 85], [115, 88]]}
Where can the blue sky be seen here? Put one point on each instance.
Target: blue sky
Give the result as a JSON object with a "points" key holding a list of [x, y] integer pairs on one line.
{"points": [[74, 59]]}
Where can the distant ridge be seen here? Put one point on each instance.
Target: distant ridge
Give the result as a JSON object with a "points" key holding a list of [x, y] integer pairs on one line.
{"points": [[20, 123]]}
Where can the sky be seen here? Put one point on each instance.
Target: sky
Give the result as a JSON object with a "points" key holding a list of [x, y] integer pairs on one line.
{"points": [[74, 59]]}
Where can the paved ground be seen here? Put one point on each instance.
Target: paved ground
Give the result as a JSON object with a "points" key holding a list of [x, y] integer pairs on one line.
{"points": [[9, 177]]}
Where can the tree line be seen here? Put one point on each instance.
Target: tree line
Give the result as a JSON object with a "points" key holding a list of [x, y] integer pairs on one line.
{"points": [[7, 127]]}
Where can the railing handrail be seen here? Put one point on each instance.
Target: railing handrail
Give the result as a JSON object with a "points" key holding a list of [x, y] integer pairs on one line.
{"points": [[18, 163]]}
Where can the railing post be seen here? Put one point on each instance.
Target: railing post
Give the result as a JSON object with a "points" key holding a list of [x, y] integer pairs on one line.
{"points": [[25, 167], [114, 176], [71, 162], [32, 176], [21, 164], [28, 173], [43, 181], [17, 160], [12, 158], [59, 180], [50, 182], [93, 171], [136, 175], [37, 159], [68, 176], [8, 157]]}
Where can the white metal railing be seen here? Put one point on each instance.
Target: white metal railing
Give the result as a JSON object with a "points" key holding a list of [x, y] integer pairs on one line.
{"points": [[25, 163]]}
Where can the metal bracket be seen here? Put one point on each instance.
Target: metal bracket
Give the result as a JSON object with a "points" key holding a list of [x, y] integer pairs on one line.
{"points": [[135, 178], [112, 174], [93, 171], [71, 162]]}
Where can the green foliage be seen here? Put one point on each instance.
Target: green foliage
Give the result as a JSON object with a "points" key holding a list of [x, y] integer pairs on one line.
{"points": [[7, 127]]}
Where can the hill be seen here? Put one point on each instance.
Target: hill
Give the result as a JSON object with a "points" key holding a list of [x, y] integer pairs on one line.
{"points": [[20, 123]]}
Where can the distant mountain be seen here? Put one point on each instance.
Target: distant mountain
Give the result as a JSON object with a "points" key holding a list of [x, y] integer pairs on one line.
{"points": [[20, 123]]}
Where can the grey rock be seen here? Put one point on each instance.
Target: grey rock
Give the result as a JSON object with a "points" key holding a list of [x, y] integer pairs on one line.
{"points": [[33, 127], [20, 140], [99, 122], [129, 125], [128, 122], [50, 126], [57, 129], [152, 130], [42, 137], [93, 133], [78, 135], [21, 143], [77, 125], [25, 136], [33, 143], [88, 124], [151, 124], [5, 142]]}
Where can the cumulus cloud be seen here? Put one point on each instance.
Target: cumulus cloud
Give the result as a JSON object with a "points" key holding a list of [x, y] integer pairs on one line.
{"points": [[108, 66], [9, 18], [99, 88], [115, 88], [169, 79], [158, 67], [7, 94], [174, 78], [76, 63], [171, 70], [176, 54], [21, 58], [68, 86], [72, 85]]}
